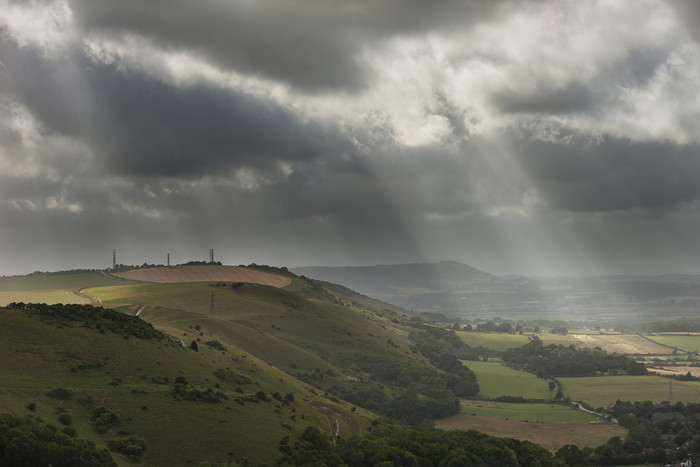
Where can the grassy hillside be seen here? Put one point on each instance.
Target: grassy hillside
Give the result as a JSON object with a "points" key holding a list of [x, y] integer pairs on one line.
{"points": [[228, 406]]}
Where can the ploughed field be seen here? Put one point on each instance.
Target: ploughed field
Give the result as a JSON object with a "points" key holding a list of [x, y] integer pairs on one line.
{"points": [[209, 273]]}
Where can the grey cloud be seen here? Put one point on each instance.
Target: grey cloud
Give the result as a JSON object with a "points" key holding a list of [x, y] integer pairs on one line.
{"points": [[146, 127], [309, 44], [609, 174], [689, 13], [574, 97]]}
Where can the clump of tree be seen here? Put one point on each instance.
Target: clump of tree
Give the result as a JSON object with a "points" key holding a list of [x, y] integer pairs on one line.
{"points": [[414, 446], [131, 445], [559, 360], [90, 317], [103, 419], [28, 441]]}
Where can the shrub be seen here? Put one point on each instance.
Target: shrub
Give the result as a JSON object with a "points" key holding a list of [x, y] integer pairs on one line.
{"points": [[65, 419], [103, 419], [132, 446]]}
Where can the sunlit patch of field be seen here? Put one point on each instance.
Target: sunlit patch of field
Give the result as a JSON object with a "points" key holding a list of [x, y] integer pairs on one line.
{"points": [[628, 344], [496, 379], [49, 296], [493, 340], [600, 391], [550, 435]]}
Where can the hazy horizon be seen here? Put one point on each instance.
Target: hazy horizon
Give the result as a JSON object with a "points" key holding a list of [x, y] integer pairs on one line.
{"points": [[537, 138]]}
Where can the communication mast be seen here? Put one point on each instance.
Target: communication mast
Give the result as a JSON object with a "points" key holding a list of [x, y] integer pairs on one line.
{"points": [[168, 259], [211, 255], [114, 258]]}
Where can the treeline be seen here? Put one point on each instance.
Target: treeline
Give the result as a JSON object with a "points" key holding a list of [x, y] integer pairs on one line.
{"points": [[414, 446], [30, 442], [658, 433], [62, 273], [88, 316], [558, 360]]}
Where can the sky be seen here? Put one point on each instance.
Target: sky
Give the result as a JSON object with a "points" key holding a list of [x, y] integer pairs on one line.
{"points": [[519, 137]]}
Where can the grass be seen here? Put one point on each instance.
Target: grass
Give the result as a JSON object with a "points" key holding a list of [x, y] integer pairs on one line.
{"points": [[492, 340], [59, 281], [533, 412], [496, 379], [686, 343], [50, 296], [39, 356], [599, 391]]}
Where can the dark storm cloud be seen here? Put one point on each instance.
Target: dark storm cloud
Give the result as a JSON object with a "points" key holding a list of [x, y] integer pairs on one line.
{"points": [[310, 44], [146, 127], [610, 174]]}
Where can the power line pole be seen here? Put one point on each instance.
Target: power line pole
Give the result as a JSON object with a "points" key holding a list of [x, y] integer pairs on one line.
{"points": [[212, 306]]}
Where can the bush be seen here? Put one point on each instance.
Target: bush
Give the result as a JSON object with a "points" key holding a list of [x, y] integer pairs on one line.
{"points": [[103, 419], [65, 419], [132, 446]]}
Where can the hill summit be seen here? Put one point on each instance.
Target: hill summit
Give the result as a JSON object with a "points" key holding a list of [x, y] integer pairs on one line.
{"points": [[387, 280]]}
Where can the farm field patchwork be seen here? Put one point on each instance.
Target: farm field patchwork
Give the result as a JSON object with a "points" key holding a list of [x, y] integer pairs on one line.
{"points": [[600, 391], [493, 340], [496, 379]]}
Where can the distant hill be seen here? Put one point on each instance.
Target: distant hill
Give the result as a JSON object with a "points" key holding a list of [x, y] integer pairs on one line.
{"points": [[389, 279]]}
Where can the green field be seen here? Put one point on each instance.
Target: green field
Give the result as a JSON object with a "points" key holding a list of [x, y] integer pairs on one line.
{"points": [[50, 296], [545, 413], [496, 379], [60, 281], [492, 340], [686, 343], [599, 391]]}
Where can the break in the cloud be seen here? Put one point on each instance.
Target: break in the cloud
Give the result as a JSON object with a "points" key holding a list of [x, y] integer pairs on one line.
{"points": [[533, 137]]}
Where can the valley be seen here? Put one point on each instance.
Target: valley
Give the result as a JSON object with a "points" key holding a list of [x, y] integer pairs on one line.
{"points": [[238, 371]]}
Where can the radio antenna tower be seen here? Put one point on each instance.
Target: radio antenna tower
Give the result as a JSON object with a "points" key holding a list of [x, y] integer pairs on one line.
{"points": [[212, 306], [168, 259], [211, 255], [114, 258]]}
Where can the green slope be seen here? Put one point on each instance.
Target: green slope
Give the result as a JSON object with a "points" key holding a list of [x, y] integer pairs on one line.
{"points": [[134, 378]]}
